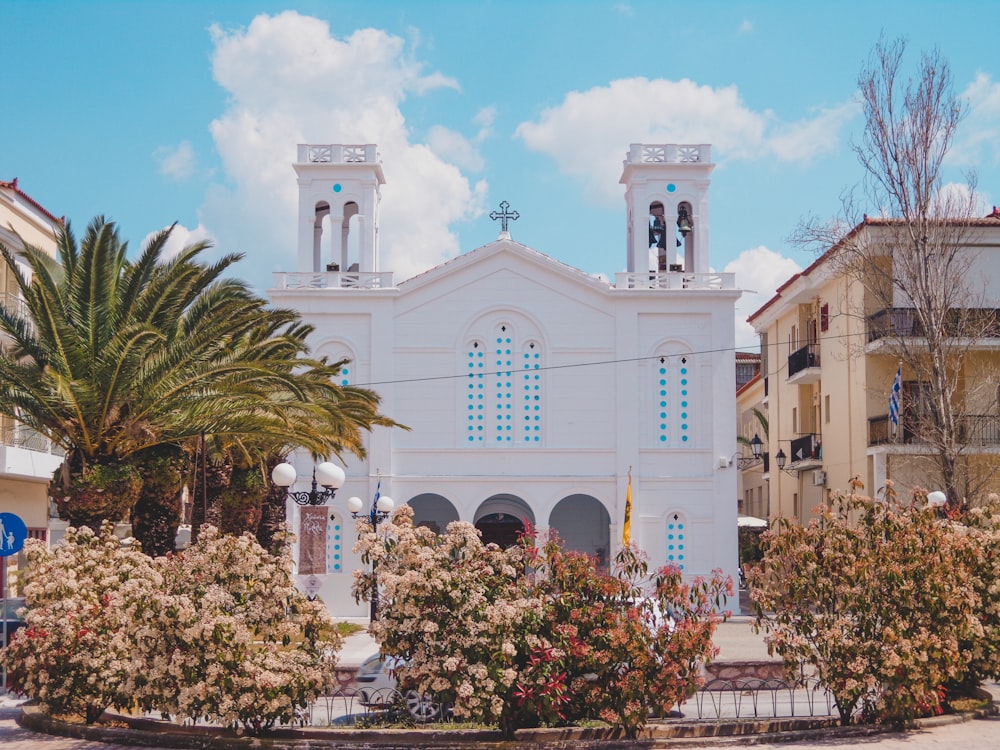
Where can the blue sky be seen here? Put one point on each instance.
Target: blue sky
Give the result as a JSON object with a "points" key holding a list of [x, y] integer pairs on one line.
{"points": [[158, 112]]}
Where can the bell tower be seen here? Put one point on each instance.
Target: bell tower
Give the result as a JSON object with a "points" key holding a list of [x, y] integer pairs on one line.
{"points": [[666, 195], [339, 196]]}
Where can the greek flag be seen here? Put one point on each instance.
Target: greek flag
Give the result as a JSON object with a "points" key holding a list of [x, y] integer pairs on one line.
{"points": [[897, 387]]}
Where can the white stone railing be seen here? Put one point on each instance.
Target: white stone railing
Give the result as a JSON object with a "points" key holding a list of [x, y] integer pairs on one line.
{"points": [[669, 153], [337, 153], [334, 280], [674, 280]]}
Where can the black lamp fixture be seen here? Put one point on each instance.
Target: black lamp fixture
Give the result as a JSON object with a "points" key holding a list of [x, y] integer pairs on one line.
{"points": [[756, 448], [780, 459], [327, 475]]}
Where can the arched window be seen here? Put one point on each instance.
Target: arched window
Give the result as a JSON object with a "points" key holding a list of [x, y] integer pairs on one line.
{"points": [[476, 393], [503, 386], [532, 392], [335, 544], [674, 401], [504, 389], [677, 546]]}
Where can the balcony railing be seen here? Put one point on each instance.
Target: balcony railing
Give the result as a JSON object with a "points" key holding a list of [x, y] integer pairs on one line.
{"points": [[973, 429], [16, 305], [669, 153], [805, 448], [334, 280], [903, 322], [674, 280], [802, 359], [337, 153], [20, 436]]}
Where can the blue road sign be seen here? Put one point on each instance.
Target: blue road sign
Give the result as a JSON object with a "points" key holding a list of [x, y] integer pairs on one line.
{"points": [[13, 532]]}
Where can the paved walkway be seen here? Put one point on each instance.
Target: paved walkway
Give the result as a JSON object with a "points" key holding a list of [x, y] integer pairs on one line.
{"points": [[736, 641]]}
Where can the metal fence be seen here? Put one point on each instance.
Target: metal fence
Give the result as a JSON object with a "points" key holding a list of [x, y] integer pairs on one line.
{"points": [[718, 699]]}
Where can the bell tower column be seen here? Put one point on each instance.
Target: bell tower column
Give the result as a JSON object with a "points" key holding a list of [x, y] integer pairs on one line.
{"points": [[339, 198], [666, 196]]}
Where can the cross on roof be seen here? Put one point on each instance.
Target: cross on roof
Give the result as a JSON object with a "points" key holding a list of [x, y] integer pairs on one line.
{"points": [[504, 215]]}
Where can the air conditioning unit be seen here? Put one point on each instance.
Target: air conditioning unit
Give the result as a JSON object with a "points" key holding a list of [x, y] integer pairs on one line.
{"points": [[819, 478]]}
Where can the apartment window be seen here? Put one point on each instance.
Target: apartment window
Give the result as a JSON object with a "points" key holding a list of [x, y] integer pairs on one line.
{"points": [[826, 408], [795, 418], [824, 317]]}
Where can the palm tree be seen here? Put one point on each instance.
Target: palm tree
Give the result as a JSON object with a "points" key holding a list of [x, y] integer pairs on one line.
{"points": [[120, 362]]}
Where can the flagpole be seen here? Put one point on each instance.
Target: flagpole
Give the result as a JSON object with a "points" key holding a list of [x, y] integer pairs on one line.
{"points": [[627, 525]]}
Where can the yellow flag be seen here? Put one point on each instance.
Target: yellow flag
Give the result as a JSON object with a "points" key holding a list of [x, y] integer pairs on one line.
{"points": [[627, 526]]}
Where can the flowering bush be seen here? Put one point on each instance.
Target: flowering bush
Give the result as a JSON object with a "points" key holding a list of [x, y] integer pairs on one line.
{"points": [[74, 653], [981, 557], [457, 611], [533, 635], [878, 598], [229, 639], [626, 645], [217, 632]]}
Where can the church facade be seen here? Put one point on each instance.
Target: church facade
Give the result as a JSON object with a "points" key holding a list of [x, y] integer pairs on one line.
{"points": [[534, 392]]}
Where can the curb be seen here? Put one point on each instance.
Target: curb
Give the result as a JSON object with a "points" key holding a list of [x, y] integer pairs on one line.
{"points": [[151, 732]]}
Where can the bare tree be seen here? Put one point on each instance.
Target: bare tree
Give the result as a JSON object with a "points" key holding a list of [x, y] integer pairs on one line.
{"points": [[913, 261]]}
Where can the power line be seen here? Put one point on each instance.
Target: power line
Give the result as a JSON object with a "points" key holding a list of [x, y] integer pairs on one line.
{"points": [[575, 365]]}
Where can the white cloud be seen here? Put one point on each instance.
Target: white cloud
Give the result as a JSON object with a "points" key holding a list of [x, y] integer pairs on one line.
{"points": [[978, 138], [956, 199], [177, 162], [289, 81], [600, 120], [484, 119], [180, 238], [453, 147], [804, 140], [759, 272]]}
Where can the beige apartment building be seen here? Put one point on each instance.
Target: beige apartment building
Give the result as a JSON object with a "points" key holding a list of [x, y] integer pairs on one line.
{"points": [[27, 460], [829, 364], [754, 471]]}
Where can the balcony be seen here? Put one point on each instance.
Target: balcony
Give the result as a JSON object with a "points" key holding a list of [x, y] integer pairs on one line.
{"points": [[982, 430], [333, 280], [978, 323], [26, 453], [803, 365]]}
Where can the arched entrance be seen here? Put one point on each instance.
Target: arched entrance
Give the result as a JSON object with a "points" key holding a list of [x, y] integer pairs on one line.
{"points": [[501, 518], [433, 511], [584, 525]]}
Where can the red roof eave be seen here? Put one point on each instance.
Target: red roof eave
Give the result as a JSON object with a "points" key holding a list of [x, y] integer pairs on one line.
{"points": [[31, 201]]}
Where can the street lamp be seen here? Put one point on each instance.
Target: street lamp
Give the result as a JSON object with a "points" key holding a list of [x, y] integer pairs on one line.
{"points": [[381, 508], [780, 459], [329, 476], [757, 448]]}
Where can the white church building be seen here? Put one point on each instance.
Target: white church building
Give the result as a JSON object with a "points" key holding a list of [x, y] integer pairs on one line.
{"points": [[531, 389]]}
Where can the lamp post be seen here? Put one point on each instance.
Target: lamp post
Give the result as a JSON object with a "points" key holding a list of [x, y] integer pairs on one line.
{"points": [[382, 506], [329, 476]]}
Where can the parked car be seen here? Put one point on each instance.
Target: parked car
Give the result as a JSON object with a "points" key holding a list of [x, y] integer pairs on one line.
{"points": [[376, 683]]}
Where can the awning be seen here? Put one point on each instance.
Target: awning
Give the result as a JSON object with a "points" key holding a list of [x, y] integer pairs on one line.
{"points": [[751, 522]]}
